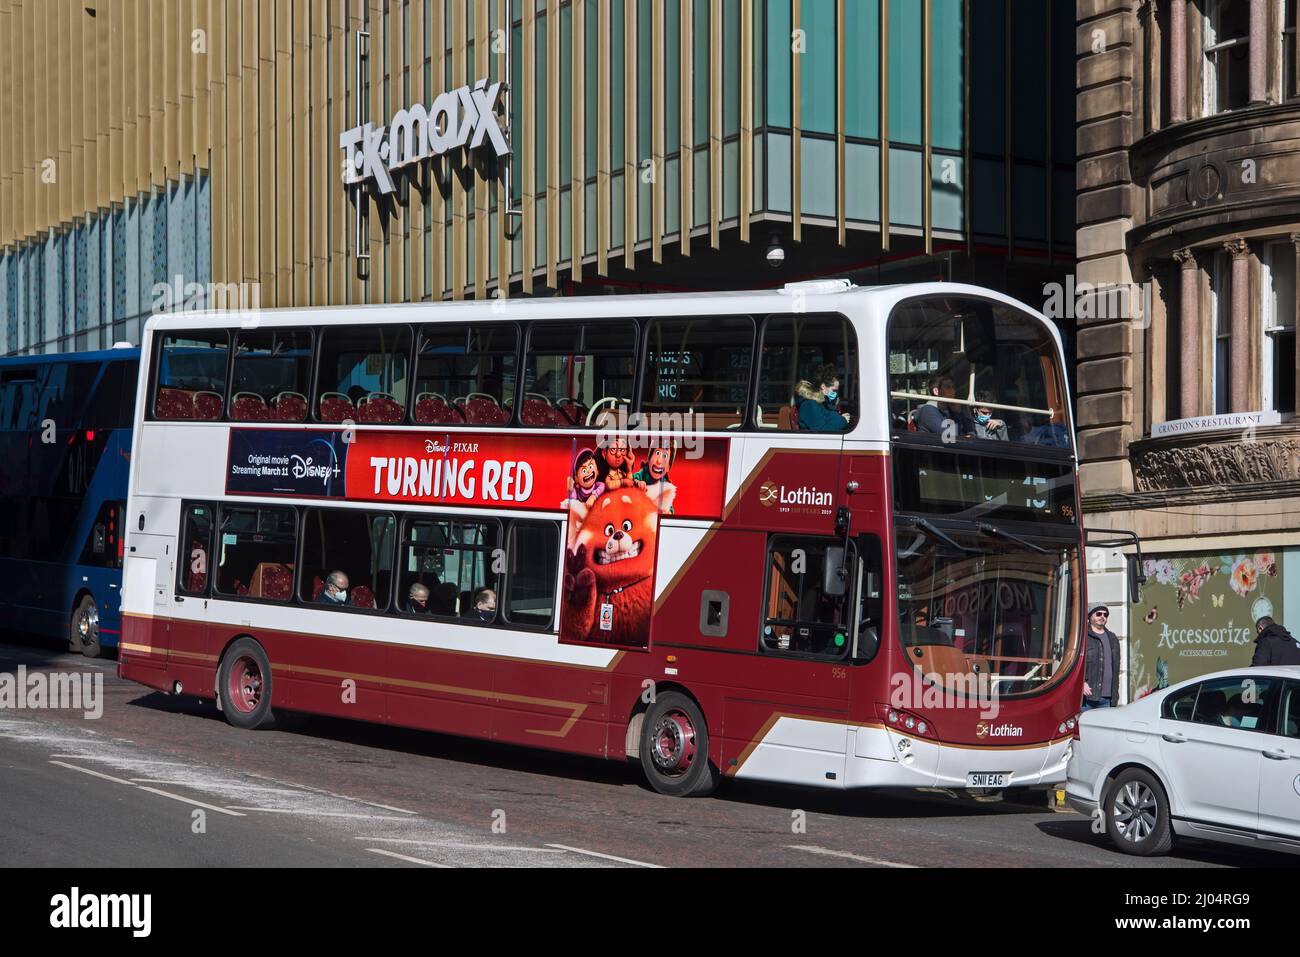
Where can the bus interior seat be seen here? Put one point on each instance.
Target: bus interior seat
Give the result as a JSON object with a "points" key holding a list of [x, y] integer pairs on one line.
{"points": [[482, 409], [787, 420], [362, 597], [208, 406], [249, 407], [433, 409], [289, 407], [537, 410], [175, 403], [380, 407], [336, 407], [1183, 708], [572, 411]]}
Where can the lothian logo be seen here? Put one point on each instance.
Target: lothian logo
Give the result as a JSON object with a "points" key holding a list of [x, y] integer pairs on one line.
{"points": [[769, 494], [986, 730]]}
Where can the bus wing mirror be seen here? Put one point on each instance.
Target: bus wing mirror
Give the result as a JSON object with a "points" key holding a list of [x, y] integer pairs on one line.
{"points": [[1136, 578], [835, 573], [1115, 538]]}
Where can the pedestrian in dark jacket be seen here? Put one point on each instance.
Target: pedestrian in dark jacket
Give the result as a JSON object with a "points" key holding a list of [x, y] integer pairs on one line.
{"points": [[1274, 645], [1100, 662]]}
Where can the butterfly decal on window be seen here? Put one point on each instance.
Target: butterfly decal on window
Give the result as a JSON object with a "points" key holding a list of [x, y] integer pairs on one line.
{"points": [[1217, 601]]}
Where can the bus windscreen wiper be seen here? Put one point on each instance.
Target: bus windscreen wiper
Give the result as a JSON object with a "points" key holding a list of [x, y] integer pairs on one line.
{"points": [[927, 526], [990, 529]]}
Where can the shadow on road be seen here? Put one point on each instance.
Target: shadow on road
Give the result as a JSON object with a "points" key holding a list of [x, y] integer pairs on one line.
{"points": [[1077, 829]]}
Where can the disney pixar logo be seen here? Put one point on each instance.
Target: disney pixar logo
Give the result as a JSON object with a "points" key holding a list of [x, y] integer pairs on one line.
{"points": [[986, 730]]}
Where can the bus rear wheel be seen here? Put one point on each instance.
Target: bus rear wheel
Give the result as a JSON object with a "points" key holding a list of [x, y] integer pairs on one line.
{"points": [[244, 683], [83, 632], [675, 748]]}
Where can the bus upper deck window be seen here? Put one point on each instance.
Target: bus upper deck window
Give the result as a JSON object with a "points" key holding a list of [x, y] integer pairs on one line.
{"points": [[363, 374], [573, 375], [465, 374], [807, 374], [191, 376], [271, 375]]}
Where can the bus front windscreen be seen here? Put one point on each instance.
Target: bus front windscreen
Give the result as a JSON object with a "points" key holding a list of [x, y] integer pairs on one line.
{"points": [[977, 608]]}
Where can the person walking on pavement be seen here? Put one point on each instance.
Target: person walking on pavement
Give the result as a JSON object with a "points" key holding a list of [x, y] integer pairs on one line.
{"points": [[1274, 645], [1101, 662]]}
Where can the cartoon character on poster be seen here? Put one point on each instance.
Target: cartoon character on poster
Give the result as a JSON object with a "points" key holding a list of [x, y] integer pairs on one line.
{"points": [[610, 553]]}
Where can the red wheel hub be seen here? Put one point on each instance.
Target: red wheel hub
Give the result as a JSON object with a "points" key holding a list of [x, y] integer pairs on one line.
{"points": [[673, 743], [244, 686]]}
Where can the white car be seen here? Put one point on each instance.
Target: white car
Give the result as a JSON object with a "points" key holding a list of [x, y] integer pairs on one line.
{"points": [[1217, 758]]}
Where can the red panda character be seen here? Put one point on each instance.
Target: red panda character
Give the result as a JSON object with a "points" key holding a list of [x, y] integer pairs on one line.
{"points": [[609, 568]]}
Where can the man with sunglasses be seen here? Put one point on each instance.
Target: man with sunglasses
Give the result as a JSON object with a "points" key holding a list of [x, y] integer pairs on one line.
{"points": [[1101, 662]]}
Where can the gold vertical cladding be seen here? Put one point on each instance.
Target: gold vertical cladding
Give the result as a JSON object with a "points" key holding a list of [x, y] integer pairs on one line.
{"points": [[115, 66], [796, 121], [342, 45], [747, 116], [304, 187], [483, 185], [102, 79], [528, 70], [578, 142], [883, 33], [215, 154], [165, 28], [504, 223], [438, 168], [201, 76], [271, 182], [415, 236], [460, 198], [715, 124], [288, 185], [552, 142], [6, 122], [92, 120], [631, 171], [927, 145], [686, 177], [147, 70], [604, 201], [251, 136], [398, 218], [657, 132], [841, 122], [236, 135], [70, 145]]}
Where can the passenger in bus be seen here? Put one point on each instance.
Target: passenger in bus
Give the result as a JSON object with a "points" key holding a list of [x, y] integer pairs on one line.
{"points": [[485, 605], [816, 399], [335, 591], [934, 416], [986, 426], [418, 599], [585, 484]]}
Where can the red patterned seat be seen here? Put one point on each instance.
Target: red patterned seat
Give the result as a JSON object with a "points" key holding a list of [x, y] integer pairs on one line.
{"points": [[288, 407], [207, 406], [433, 409], [571, 412], [249, 407], [481, 410], [317, 586], [380, 407], [175, 404], [363, 597], [537, 412], [336, 407]]}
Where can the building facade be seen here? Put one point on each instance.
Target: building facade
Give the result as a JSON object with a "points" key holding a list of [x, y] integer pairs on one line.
{"points": [[175, 153], [1189, 202]]}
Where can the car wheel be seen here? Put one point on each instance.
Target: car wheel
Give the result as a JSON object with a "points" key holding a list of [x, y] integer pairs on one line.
{"points": [[1137, 814]]}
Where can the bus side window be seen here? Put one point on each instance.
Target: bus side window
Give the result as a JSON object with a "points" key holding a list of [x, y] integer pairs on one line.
{"points": [[195, 550], [798, 352], [574, 377], [798, 617], [190, 379], [697, 371]]}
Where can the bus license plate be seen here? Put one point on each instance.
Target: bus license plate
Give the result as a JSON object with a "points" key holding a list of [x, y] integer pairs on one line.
{"points": [[988, 779]]}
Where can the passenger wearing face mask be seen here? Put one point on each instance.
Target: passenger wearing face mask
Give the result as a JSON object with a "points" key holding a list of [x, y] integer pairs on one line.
{"points": [[335, 591], [485, 605], [816, 402], [986, 426]]}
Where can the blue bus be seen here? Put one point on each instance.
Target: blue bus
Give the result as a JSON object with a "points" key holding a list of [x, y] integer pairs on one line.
{"points": [[65, 447]]}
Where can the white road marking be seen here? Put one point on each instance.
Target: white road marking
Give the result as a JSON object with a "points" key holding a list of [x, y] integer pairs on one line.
{"points": [[607, 857], [166, 794], [403, 857], [462, 846], [308, 812], [827, 852]]}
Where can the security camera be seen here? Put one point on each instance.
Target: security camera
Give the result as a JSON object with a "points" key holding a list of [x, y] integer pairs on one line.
{"points": [[775, 253]]}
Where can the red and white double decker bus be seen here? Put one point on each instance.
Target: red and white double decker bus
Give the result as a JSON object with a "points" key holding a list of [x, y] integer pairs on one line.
{"points": [[824, 535]]}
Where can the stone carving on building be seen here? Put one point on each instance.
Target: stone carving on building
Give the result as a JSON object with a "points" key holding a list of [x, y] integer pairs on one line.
{"points": [[1244, 459]]}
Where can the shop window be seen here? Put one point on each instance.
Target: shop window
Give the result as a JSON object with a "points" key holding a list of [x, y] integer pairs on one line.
{"points": [[363, 374], [191, 376], [574, 373], [799, 352], [255, 553]]}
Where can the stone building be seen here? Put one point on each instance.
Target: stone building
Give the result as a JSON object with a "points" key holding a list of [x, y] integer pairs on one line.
{"points": [[1189, 199]]}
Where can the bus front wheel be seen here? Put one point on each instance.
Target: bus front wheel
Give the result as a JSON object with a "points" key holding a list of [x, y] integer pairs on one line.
{"points": [[244, 683], [675, 748], [83, 632]]}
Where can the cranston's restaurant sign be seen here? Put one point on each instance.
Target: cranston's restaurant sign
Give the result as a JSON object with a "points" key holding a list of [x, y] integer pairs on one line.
{"points": [[461, 118], [484, 470]]}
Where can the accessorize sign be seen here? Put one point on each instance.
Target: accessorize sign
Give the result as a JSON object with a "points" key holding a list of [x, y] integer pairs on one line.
{"points": [[1216, 423], [477, 469], [461, 118], [1198, 615]]}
